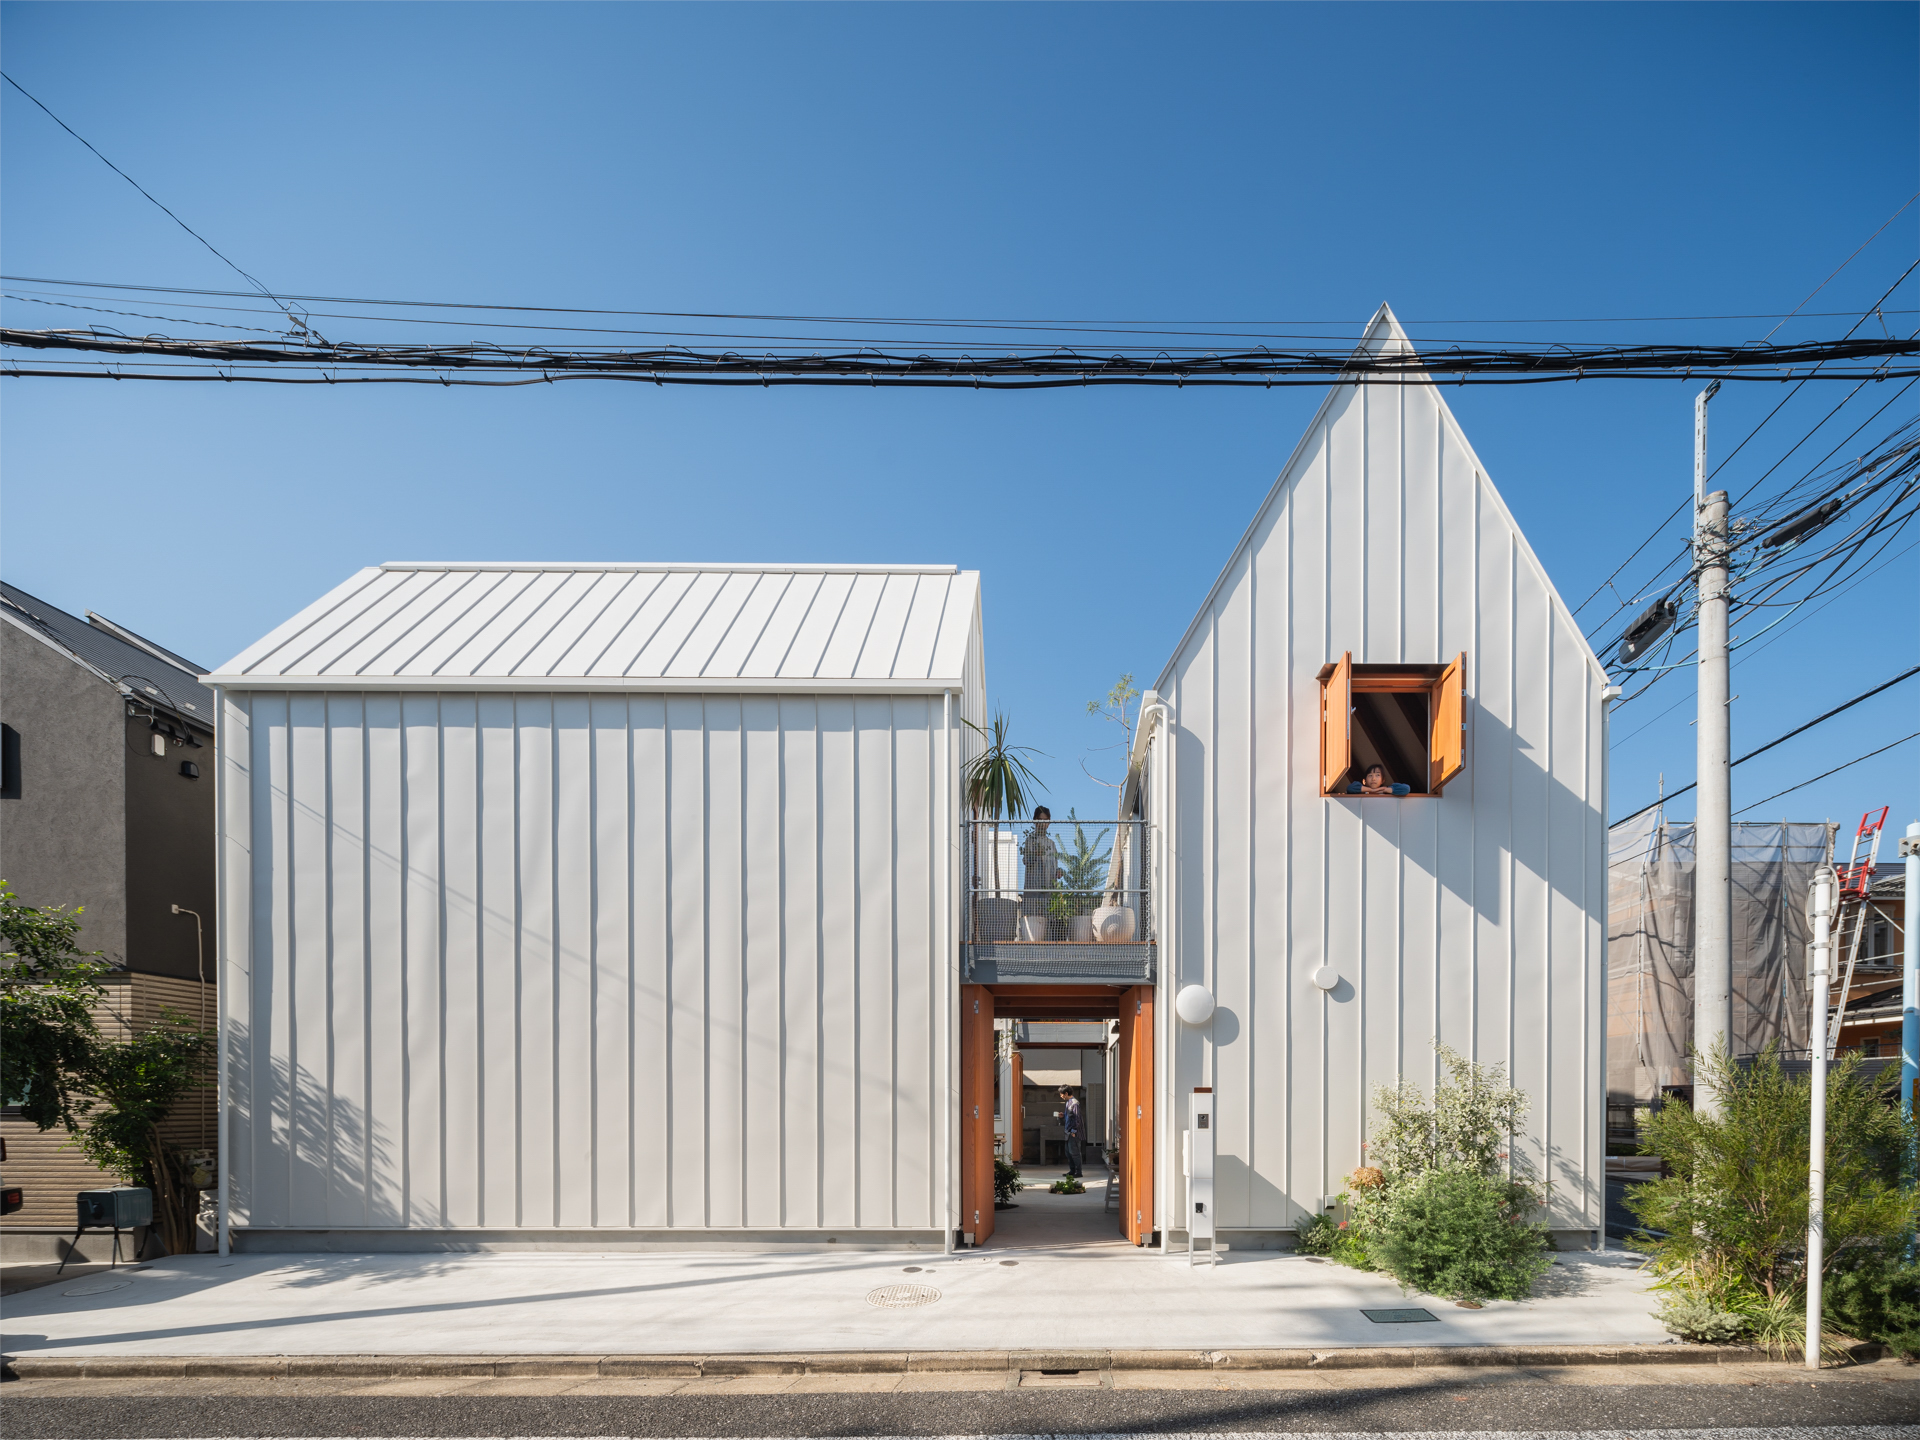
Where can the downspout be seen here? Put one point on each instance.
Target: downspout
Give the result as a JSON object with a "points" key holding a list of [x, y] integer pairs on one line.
{"points": [[1156, 714], [220, 953], [951, 990]]}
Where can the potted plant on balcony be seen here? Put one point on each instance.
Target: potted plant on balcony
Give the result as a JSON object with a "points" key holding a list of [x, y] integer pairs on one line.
{"points": [[997, 783]]}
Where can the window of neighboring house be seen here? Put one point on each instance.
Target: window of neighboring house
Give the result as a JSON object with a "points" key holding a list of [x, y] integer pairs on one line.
{"points": [[9, 763], [1409, 721]]}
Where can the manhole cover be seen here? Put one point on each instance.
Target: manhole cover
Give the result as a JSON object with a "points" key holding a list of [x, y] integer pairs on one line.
{"points": [[1398, 1317], [902, 1297], [98, 1287]]}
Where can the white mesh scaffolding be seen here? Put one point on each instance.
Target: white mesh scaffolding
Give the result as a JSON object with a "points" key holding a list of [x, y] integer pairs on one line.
{"points": [[1650, 947]]}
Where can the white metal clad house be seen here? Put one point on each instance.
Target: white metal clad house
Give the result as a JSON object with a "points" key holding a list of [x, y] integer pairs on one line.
{"points": [[1383, 607], [596, 904]]}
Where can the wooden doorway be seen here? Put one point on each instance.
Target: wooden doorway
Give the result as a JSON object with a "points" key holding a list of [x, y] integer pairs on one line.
{"points": [[980, 1006], [1136, 1115], [978, 1062]]}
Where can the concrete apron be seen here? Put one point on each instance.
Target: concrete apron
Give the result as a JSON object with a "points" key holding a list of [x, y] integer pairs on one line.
{"points": [[1094, 1299]]}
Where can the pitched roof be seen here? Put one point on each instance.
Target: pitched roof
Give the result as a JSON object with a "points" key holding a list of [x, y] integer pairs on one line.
{"points": [[151, 670], [1383, 335], [787, 627]]}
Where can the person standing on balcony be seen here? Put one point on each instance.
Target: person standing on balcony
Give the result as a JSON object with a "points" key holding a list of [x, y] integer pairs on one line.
{"points": [[1040, 858], [1070, 1120]]}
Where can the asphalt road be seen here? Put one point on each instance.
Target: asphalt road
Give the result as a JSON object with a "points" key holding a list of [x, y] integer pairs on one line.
{"points": [[1782, 1410]]}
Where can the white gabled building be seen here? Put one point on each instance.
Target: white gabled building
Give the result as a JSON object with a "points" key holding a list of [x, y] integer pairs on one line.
{"points": [[596, 904], [624, 905], [1382, 607]]}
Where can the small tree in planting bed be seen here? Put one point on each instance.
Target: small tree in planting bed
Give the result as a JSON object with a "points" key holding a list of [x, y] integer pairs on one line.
{"points": [[1438, 1208], [1733, 1256]]}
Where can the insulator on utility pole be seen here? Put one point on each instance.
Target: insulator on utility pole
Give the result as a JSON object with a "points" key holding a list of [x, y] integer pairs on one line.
{"points": [[1713, 807]]}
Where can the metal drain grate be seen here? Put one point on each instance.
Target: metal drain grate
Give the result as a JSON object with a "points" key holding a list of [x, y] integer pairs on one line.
{"points": [[902, 1297]]}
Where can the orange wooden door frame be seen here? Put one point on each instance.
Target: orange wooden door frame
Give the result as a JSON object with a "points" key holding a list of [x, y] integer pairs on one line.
{"points": [[977, 1066], [1017, 1110], [1136, 1116]]}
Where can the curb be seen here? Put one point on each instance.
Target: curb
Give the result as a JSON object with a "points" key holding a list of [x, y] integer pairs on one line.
{"points": [[869, 1362]]}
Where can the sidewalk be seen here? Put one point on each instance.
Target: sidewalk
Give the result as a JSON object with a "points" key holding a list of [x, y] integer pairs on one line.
{"points": [[1002, 1298]]}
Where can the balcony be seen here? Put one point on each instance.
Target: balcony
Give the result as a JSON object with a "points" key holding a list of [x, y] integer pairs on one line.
{"points": [[1058, 902]]}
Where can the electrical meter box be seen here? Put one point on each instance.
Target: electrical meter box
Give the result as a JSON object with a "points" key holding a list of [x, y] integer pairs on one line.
{"points": [[1200, 1148], [121, 1208]]}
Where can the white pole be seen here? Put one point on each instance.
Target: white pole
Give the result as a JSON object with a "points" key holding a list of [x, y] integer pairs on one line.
{"points": [[1910, 975], [1713, 809], [1817, 1136]]}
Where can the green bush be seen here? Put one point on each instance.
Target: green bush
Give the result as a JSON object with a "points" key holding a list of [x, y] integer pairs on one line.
{"points": [[1459, 1233], [1317, 1235], [1006, 1182], [1068, 1185], [1697, 1320], [1734, 1209], [1874, 1294]]}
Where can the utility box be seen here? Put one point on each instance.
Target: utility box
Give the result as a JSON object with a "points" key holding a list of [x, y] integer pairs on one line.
{"points": [[1200, 1146], [122, 1208]]}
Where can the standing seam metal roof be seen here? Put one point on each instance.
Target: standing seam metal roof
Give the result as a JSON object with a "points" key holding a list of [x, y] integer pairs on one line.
{"points": [[699, 626]]}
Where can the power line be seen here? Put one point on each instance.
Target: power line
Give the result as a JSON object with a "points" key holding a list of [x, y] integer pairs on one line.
{"points": [[1032, 369], [144, 191], [1823, 775], [894, 319], [1782, 739]]}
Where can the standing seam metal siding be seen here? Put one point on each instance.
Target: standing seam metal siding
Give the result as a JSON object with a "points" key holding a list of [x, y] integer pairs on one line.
{"points": [[566, 961], [1475, 918]]}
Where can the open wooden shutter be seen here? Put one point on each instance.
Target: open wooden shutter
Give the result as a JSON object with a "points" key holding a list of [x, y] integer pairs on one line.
{"points": [[977, 1065], [1336, 725], [1447, 719]]}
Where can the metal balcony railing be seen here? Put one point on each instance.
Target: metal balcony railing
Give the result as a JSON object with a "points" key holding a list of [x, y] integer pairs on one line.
{"points": [[1057, 882]]}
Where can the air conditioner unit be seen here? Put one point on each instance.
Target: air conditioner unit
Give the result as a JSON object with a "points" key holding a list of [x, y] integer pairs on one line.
{"points": [[121, 1208]]}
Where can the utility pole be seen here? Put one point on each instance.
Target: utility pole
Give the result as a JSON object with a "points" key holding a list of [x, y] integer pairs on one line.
{"points": [[1817, 1139], [1713, 807]]}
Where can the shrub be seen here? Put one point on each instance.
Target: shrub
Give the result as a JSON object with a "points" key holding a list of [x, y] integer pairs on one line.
{"points": [[1734, 1210], [1006, 1182], [1874, 1294], [1694, 1319], [1465, 1235], [1317, 1235], [1068, 1185]]}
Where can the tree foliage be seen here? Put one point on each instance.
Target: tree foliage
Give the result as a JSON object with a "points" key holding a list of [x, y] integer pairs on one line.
{"points": [[1729, 1222], [48, 988], [133, 1085], [1465, 1235]]}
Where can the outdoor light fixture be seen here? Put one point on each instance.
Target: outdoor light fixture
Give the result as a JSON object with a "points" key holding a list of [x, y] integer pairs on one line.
{"points": [[1654, 622], [1326, 977], [1194, 1004]]}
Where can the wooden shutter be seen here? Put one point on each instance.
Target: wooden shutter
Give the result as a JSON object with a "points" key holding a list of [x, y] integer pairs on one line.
{"points": [[1336, 725], [1136, 1114], [1447, 720]]}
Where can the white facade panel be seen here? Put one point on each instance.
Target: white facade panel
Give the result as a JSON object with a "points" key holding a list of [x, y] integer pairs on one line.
{"points": [[568, 962], [1472, 918]]}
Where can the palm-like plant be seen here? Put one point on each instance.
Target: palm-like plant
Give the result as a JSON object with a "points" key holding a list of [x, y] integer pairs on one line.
{"points": [[997, 783]]}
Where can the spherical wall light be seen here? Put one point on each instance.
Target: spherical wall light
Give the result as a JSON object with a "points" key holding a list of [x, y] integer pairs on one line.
{"points": [[1194, 1004], [1326, 977]]}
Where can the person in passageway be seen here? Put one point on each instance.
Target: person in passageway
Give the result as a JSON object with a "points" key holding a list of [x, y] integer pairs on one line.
{"points": [[1076, 1131]]}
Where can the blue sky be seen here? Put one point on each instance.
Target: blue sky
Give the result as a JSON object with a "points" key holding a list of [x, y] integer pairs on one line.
{"points": [[1464, 163]]}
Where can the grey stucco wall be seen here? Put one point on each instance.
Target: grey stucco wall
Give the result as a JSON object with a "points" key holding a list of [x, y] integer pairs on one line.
{"points": [[62, 842]]}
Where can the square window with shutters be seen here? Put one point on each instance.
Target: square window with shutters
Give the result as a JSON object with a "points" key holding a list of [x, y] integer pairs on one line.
{"points": [[1407, 720]]}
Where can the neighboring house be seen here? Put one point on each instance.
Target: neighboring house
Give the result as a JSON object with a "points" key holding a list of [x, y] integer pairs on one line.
{"points": [[107, 802]]}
